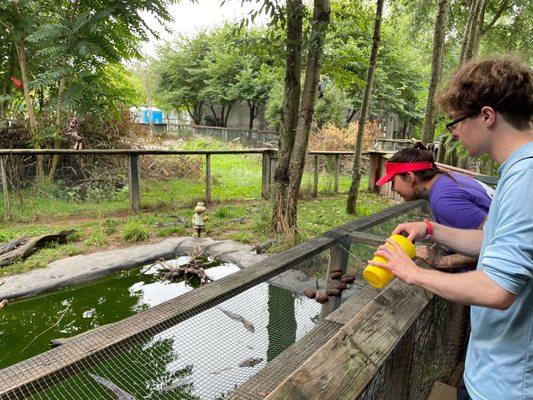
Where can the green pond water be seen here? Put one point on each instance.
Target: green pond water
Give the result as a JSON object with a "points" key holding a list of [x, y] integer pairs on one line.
{"points": [[28, 325], [203, 357]]}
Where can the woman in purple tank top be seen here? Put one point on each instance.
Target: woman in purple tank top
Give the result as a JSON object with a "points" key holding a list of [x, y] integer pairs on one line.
{"points": [[455, 200]]}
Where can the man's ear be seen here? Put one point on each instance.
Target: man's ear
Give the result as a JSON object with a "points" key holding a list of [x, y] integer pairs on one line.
{"points": [[489, 116]]}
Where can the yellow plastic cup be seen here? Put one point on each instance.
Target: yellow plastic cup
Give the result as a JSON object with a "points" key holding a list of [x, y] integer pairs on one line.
{"points": [[378, 277]]}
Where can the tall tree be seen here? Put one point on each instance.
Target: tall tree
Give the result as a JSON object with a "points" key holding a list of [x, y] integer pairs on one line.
{"points": [[315, 51], [291, 103], [439, 34], [473, 30], [17, 20], [351, 204], [297, 117]]}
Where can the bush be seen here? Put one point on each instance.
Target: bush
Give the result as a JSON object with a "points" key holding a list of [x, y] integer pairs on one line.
{"points": [[134, 231], [97, 238], [332, 137]]}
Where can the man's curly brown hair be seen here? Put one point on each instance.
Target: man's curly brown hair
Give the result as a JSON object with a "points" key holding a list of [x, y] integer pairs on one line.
{"points": [[505, 84]]}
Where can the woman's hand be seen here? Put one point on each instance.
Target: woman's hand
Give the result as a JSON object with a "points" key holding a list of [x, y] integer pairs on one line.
{"points": [[414, 230], [399, 263]]}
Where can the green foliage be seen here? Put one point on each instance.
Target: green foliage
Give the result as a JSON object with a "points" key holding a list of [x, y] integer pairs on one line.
{"points": [[81, 44], [172, 231], [274, 106], [98, 237], [134, 231], [331, 108], [215, 69], [5, 237]]}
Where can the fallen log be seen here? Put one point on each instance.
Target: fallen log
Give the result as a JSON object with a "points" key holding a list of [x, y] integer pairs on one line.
{"points": [[19, 249]]}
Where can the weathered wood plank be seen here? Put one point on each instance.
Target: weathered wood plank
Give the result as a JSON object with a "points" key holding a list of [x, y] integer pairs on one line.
{"points": [[133, 176], [315, 177], [152, 151], [208, 178], [339, 255], [273, 166], [265, 175], [5, 188], [59, 363], [128, 151], [353, 305], [336, 171], [345, 365]]}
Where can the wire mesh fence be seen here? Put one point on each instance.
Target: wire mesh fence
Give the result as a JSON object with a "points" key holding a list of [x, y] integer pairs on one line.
{"points": [[240, 336], [429, 351], [203, 354]]}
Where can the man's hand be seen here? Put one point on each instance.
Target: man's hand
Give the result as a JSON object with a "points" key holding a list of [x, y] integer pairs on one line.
{"points": [[430, 256], [399, 263], [414, 230]]}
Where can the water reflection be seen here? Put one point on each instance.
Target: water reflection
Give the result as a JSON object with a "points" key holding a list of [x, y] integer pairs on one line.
{"points": [[223, 352], [204, 357], [81, 308]]}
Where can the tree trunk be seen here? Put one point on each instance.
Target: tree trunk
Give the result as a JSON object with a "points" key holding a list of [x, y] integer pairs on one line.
{"points": [[21, 53], [472, 31], [319, 28], [226, 116], [252, 107], [505, 4], [436, 70], [291, 104], [350, 115], [6, 86], [59, 129], [351, 204], [196, 113], [215, 116]]}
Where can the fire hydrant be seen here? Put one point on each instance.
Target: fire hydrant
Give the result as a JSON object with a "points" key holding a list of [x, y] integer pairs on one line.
{"points": [[198, 220]]}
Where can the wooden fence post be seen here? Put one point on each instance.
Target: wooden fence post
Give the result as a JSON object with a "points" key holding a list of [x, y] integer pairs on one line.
{"points": [[265, 175], [135, 193], [315, 178], [5, 189], [338, 259], [374, 172], [208, 178], [336, 174], [273, 165]]}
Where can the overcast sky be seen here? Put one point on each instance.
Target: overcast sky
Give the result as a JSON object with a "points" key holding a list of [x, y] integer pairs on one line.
{"points": [[189, 18]]}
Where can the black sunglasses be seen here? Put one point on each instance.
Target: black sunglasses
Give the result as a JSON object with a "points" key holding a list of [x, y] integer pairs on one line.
{"points": [[451, 125]]}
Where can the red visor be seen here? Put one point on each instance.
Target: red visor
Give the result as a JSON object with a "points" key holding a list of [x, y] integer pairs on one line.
{"points": [[392, 169]]}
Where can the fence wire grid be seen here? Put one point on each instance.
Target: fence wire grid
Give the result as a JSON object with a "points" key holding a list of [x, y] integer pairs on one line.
{"points": [[242, 345]]}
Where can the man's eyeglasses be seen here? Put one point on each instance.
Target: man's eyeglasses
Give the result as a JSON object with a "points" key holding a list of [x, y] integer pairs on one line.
{"points": [[451, 126]]}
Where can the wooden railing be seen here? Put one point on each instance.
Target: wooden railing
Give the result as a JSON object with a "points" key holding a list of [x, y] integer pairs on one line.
{"points": [[269, 163]]}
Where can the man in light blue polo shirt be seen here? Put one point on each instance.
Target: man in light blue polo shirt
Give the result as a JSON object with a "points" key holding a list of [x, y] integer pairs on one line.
{"points": [[491, 103]]}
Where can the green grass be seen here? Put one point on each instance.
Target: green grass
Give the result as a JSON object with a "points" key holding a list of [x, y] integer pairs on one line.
{"points": [[237, 211], [135, 231], [225, 222], [234, 177]]}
